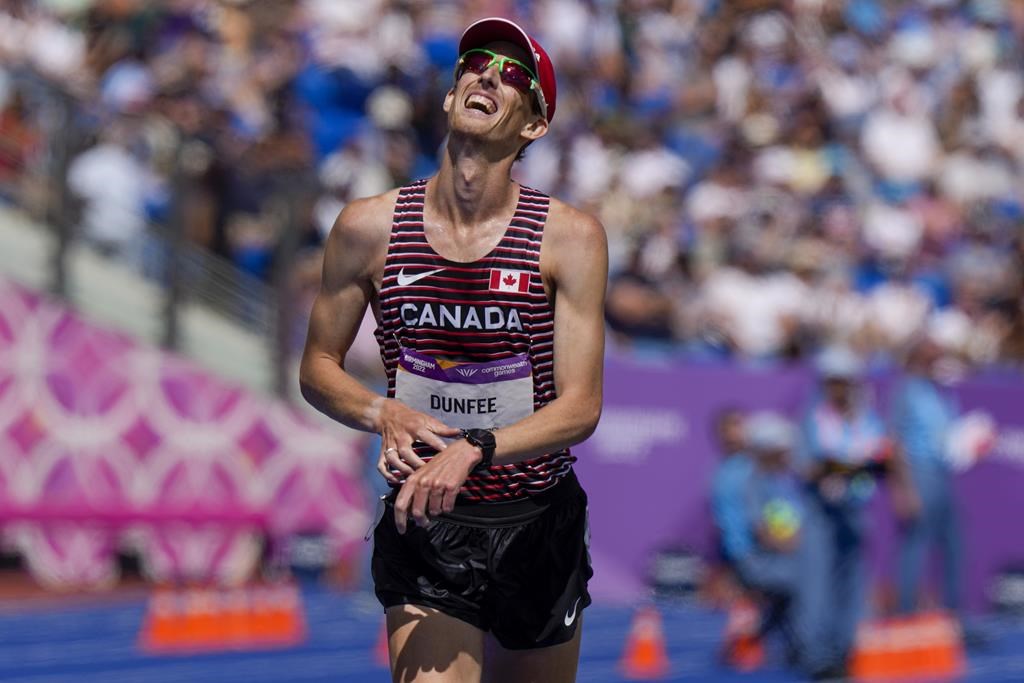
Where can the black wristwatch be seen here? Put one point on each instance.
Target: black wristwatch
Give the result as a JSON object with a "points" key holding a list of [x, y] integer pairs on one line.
{"points": [[484, 440]]}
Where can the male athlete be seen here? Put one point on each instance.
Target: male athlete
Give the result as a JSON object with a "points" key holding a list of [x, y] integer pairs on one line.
{"points": [[489, 301]]}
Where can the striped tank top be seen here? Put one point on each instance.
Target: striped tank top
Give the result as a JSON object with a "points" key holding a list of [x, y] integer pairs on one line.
{"points": [[472, 343]]}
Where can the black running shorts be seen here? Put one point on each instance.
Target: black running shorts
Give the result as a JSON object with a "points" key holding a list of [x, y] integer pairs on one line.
{"points": [[518, 569]]}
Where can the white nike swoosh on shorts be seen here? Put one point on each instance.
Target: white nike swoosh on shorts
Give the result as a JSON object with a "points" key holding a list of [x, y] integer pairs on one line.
{"points": [[406, 280], [570, 616]]}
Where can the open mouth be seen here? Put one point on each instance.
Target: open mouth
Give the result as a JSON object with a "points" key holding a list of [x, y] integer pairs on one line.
{"points": [[481, 103]]}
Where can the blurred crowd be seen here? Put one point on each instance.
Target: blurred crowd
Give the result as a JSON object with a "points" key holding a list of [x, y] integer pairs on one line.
{"points": [[775, 175]]}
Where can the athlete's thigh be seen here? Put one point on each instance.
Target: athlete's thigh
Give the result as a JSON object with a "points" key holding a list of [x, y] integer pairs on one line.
{"points": [[428, 646], [554, 664]]}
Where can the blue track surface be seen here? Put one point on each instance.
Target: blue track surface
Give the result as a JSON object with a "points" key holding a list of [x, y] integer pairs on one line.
{"points": [[62, 643]]}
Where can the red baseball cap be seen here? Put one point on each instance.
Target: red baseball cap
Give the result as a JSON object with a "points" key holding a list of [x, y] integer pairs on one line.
{"points": [[491, 29]]}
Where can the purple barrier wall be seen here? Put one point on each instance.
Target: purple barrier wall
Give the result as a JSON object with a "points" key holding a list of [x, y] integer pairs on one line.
{"points": [[648, 467], [107, 444]]}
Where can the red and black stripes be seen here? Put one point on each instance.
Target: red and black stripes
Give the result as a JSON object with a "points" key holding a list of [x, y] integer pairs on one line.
{"points": [[449, 310]]}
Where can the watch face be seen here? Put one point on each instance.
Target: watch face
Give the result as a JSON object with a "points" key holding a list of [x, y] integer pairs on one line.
{"points": [[482, 439]]}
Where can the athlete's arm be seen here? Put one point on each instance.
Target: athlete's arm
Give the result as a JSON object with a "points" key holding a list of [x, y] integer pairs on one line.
{"points": [[574, 261], [353, 264]]}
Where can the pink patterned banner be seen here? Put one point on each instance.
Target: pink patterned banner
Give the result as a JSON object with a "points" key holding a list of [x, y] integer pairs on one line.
{"points": [[108, 445]]}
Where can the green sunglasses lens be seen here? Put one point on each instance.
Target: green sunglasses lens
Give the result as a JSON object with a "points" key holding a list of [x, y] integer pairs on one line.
{"points": [[513, 72]]}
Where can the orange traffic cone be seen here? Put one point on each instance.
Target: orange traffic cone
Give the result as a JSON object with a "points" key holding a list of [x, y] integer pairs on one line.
{"points": [[163, 626], [644, 658], [927, 645], [193, 620], [276, 616], [380, 650]]}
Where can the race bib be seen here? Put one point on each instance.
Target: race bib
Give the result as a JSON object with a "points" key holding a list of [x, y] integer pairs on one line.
{"points": [[466, 395]]}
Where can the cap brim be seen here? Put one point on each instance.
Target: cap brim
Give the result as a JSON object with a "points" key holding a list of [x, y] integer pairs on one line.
{"points": [[493, 29]]}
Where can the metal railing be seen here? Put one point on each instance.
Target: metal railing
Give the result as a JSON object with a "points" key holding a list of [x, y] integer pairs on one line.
{"points": [[217, 283]]}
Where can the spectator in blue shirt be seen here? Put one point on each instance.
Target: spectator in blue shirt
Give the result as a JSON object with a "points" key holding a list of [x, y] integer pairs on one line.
{"points": [[922, 415], [727, 489], [842, 447], [774, 513]]}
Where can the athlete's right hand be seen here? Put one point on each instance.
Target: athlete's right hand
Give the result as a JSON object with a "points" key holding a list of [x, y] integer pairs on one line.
{"points": [[400, 426]]}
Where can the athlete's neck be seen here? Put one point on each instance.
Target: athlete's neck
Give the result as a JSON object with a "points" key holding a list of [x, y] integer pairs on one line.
{"points": [[471, 186]]}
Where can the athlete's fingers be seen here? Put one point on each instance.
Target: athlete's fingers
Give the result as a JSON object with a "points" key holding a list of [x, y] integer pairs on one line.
{"points": [[384, 462], [382, 467], [448, 500], [396, 461], [438, 427], [409, 458], [427, 436], [435, 500], [420, 496], [402, 507]]}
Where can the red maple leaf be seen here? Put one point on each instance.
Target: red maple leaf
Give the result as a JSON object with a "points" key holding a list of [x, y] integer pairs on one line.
{"points": [[509, 280]]}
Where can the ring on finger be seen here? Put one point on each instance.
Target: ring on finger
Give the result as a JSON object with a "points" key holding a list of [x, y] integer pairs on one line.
{"points": [[390, 450]]}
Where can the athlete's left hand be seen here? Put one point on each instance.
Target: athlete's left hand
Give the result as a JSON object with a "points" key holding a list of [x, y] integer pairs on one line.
{"points": [[432, 488]]}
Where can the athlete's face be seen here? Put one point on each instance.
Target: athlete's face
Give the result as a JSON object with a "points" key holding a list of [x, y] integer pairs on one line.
{"points": [[482, 105]]}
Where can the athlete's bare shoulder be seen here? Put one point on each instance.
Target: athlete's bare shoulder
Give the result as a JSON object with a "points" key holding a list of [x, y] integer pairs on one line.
{"points": [[568, 222], [571, 235], [358, 242], [366, 222]]}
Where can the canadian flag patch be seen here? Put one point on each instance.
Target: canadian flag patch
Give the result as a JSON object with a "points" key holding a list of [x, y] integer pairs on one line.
{"points": [[509, 280]]}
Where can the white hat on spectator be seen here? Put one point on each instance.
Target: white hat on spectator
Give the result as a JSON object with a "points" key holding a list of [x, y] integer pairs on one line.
{"points": [[769, 431], [839, 362]]}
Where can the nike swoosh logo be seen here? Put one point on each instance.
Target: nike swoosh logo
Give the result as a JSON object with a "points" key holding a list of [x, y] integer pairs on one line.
{"points": [[571, 615], [406, 280]]}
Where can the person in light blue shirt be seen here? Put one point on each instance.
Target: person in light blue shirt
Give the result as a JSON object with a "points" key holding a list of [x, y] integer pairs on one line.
{"points": [[843, 449], [774, 512], [728, 486], [922, 414]]}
